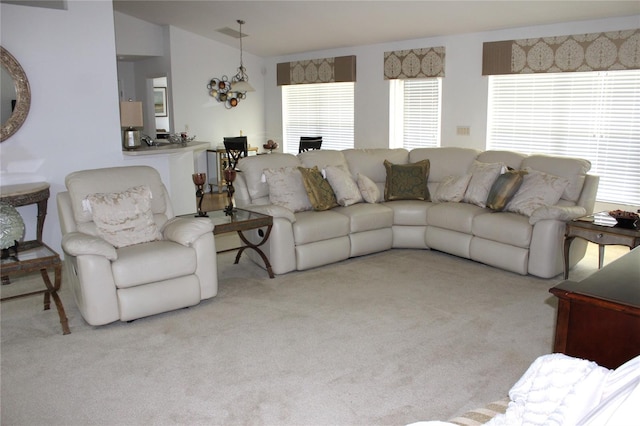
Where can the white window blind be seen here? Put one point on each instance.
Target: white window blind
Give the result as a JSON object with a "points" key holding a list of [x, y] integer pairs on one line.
{"points": [[415, 113], [592, 115], [324, 109]]}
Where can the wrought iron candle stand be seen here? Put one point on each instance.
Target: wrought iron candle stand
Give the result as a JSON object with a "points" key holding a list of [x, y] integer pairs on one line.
{"points": [[229, 177], [199, 179]]}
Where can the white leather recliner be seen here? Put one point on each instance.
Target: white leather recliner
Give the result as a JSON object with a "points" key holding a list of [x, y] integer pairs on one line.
{"points": [[175, 270]]}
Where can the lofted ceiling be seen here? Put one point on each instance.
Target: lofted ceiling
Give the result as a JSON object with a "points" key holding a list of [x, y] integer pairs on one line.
{"points": [[277, 28]]}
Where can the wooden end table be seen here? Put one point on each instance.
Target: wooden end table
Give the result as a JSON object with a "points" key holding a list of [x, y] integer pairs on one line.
{"points": [[240, 221], [601, 229], [35, 256]]}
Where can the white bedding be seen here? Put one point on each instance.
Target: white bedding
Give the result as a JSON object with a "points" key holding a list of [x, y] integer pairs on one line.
{"points": [[562, 390]]}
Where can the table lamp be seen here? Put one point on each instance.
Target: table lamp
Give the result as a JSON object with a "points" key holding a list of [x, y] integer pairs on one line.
{"points": [[130, 120]]}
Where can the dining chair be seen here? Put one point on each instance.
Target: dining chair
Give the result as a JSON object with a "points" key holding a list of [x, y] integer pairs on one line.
{"points": [[308, 143]]}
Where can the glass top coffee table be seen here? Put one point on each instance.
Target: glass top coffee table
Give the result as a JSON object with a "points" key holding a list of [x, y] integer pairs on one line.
{"points": [[240, 221]]}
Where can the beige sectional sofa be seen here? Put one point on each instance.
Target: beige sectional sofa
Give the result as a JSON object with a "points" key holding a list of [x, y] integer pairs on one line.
{"points": [[525, 244]]}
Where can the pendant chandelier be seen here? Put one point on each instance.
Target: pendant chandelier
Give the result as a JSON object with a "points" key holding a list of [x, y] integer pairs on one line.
{"points": [[231, 92]]}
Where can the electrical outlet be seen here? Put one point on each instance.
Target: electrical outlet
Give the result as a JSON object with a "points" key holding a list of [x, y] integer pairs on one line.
{"points": [[463, 130]]}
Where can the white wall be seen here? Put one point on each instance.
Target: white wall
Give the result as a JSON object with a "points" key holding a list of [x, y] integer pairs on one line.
{"points": [[195, 60], [69, 59], [464, 97]]}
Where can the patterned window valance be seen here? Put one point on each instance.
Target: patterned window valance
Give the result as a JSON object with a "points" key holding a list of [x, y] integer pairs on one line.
{"points": [[616, 50], [326, 70], [414, 63]]}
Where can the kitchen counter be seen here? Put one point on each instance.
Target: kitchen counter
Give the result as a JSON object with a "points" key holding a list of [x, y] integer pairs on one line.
{"points": [[167, 148]]}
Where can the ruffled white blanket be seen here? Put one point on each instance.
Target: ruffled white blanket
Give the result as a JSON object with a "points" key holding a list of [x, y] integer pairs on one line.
{"points": [[561, 390]]}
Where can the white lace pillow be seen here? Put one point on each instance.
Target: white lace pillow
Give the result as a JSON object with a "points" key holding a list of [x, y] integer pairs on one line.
{"points": [[482, 177], [368, 188], [286, 189], [124, 218], [538, 189], [343, 185], [452, 188]]}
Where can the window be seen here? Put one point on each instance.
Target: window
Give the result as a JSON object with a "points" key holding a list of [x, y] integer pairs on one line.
{"points": [[414, 113], [592, 115], [324, 109]]}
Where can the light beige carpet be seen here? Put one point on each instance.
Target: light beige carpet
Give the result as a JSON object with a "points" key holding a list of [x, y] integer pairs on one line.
{"points": [[386, 339]]}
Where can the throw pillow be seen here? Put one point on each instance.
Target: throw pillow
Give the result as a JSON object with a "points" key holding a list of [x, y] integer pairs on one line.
{"points": [[345, 188], [538, 189], [504, 188], [124, 218], [483, 175], [318, 189], [286, 188], [452, 188], [368, 188], [407, 181]]}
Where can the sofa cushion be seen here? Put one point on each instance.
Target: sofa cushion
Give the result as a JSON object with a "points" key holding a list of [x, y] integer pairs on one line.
{"points": [[406, 181], [504, 188], [318, 189], [370, 162], [454, 216], [409, 212], [509, 158], [444, 161], [124, 218], [152, 262], [286, 188], [452, 188], [573, 169], [538, 189], [366, 217], [323, 158], [368, 189], [345, 188], [504, 227], [312, 226]]}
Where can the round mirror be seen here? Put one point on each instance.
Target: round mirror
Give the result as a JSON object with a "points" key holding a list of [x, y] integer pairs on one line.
{"points": [[15, 103]]}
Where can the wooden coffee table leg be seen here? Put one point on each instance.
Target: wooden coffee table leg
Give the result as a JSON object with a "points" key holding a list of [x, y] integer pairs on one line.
{"points": [[53, 291], [567, 246], [256, 248]]}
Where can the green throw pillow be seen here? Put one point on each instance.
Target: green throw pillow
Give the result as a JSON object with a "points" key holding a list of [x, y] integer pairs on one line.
{"points": [[318, 189], [504, 188], [407, 181]]}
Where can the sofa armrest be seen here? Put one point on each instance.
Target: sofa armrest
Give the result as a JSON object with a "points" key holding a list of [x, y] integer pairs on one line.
{"points": [[562, 213], [186, 231], [272, 210], [78, 244]]}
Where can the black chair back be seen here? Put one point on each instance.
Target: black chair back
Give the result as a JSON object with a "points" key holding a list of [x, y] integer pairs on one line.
{"points": [[308, 143], [236, 148]]}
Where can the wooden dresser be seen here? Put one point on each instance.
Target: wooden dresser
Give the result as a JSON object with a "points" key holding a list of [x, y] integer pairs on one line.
{"points": [[599, 317]]}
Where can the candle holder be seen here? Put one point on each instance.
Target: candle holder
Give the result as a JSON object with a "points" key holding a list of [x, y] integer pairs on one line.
{"points": [[199, 179], [229, 177]]}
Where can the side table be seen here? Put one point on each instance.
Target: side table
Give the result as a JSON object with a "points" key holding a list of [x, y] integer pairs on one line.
{"points": [[601, 229], [33, 258], [23, 194]]}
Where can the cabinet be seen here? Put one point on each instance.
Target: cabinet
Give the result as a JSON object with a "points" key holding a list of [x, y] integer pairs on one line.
{"points": [[599, 317]]}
